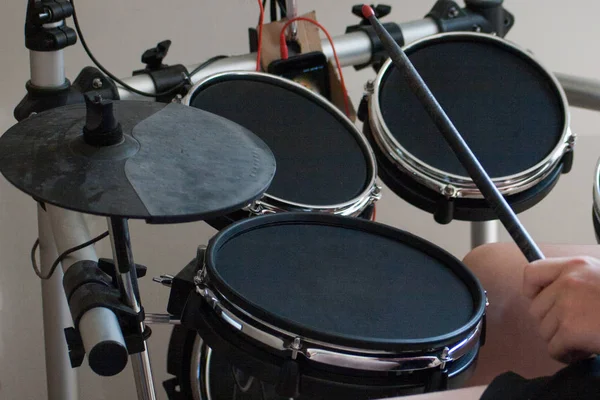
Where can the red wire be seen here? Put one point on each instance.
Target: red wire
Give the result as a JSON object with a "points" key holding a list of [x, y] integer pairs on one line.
{"points": [[284, 52], [260, 32]]}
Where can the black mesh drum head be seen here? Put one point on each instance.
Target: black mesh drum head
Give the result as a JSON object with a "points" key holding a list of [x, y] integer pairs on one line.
{"points": [[320, 158], [507, 108], [346, 281]]}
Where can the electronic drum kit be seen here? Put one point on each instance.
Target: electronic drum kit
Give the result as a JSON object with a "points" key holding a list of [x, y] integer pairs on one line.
{"points": [[301, 294]]}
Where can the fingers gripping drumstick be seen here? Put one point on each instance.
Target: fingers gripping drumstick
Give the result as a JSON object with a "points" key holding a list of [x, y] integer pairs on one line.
{"points": [[459, 146]]}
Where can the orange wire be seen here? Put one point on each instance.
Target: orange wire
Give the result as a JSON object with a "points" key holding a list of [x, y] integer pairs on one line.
{"points": [[284, 52], [260, 32], [374, 216]]}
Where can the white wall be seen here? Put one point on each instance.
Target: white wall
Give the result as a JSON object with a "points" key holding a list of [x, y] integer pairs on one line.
{"points": [[564, 37]]}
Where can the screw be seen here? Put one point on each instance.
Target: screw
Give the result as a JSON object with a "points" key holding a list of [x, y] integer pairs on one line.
{"points": [[449, 191], [477, 28], [97, 98], [453, 12], [199, 279], [297, 344], [370, 86], [97, 83], [166, 280]]}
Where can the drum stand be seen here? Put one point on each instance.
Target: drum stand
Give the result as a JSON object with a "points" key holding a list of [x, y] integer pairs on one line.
{"points": [[59, 230], [127, 282], [484, 232], [48, 72]]}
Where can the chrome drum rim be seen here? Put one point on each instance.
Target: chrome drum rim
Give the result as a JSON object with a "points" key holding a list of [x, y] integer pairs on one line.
{"points": [[272, 204], [452, 185]]}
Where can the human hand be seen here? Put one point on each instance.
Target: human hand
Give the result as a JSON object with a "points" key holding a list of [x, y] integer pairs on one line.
{"points": [[565, 294]]}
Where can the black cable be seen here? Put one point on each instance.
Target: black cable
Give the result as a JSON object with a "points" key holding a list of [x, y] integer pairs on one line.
{"points": [[273, 10], [119, 81], [36, 269], [282, 7]]}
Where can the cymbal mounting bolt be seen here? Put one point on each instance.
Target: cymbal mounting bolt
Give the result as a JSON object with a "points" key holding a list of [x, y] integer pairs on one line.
{"points": [[453, 12]]}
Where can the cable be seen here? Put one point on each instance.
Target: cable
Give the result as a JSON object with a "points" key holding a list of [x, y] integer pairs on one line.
{"points": [[36, 269], [260, 34], [282, 8], [273, 7], [285, 52], [119, 81]]}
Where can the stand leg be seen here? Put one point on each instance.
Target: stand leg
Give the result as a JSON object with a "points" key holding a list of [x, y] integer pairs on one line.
{"points": [[127, 279], [484, 232], [61, 378]]}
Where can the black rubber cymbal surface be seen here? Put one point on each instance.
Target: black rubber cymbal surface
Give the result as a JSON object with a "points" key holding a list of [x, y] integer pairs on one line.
{"points": [[176, 164]]}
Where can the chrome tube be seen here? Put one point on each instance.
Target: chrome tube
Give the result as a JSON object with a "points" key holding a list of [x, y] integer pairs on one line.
{"points": [[417, 30], [127, 280], [484, 232], [99, 327], [581, 92], [291, 7], [161, 319], [353, 49], [61, 378], [47, 68]]}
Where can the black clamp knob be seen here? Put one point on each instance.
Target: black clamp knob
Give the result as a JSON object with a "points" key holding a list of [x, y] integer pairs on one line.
{"points": [[483, 3], [101, 127], [381, 10], [153, 58]]}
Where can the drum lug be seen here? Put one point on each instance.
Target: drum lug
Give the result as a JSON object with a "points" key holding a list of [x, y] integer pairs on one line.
{"points": [[289, 380], [568, 156], [444, 357], [200, 280], [296, 347], [376, 193], [438, 381], [363, 108], [258, 208], [178, 99], [450, 191], [444, 213], [208, 296]]}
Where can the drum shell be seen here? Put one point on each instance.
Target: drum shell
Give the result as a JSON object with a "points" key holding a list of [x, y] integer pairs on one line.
{"points": [[268, 363], [447, 194], [359, 206], [461, 209], [315, 382]]}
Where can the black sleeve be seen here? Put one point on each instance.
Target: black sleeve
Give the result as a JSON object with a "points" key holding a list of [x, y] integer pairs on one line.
{"points": [[580, 381]]}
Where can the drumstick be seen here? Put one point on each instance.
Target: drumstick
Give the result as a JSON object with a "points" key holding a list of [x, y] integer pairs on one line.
{"points": [[457, 143]]}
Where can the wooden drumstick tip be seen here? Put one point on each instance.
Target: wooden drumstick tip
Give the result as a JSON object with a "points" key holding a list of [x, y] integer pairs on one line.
{"points": [[367, 11]]}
